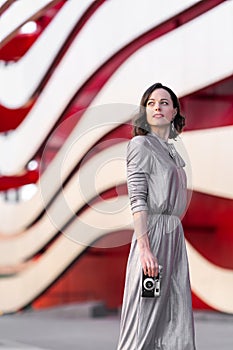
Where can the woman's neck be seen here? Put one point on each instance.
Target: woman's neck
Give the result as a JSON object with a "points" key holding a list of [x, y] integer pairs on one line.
{"points": [[163, 133]]}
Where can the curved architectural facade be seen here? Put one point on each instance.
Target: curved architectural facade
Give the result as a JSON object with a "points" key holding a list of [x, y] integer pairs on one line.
{"points": [[71, 75]]}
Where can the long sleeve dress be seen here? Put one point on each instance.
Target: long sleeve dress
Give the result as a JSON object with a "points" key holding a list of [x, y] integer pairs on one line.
{"points": [[157, 183]]}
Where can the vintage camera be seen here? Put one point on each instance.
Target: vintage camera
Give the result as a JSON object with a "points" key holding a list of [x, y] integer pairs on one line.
{"points": [[151, 285]]}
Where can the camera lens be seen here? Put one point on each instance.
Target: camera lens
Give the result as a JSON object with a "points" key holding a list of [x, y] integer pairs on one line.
{"points": [[149, 283]]}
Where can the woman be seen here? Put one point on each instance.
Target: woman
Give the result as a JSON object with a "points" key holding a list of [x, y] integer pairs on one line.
{"points": [[157, 187]]}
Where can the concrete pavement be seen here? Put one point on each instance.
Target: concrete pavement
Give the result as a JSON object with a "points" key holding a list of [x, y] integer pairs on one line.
{"points": [[73, 327]]}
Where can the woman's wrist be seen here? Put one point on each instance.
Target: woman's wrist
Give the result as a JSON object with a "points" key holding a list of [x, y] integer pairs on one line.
{"points": [[143, 245]]}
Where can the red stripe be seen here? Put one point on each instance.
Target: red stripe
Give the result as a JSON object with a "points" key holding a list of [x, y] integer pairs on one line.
{"points": [[90, 89], [8, 182], [10, 119], [199, 304], [208, 226], [210, 107], [84, 96]]}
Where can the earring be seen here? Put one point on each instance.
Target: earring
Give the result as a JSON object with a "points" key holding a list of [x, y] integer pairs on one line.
{"points": [[172, 126], [146, 126]]}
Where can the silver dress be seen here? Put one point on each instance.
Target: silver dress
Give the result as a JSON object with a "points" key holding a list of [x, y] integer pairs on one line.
{"points": [[157, 183]]}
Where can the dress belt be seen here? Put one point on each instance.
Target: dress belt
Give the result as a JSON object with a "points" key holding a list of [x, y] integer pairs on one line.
{"points": [[164, 214]]}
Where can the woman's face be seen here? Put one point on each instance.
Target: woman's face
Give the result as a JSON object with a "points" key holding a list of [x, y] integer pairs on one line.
{"points": [[159, 108]]}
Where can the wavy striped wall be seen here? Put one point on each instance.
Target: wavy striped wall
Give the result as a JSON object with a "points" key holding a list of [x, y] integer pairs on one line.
{"points": [[68, 91]]}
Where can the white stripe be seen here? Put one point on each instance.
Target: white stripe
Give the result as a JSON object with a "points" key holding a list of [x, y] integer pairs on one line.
{"points": [[33, 280], [96, 123], [211, 283], [181, 62], [102, 172], [186, 59], [110, 21], [20, 80], [211, 153], [39, 275]]}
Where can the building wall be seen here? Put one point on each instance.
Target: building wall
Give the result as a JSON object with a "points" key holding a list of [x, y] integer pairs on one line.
{"points": [[70, 81]]}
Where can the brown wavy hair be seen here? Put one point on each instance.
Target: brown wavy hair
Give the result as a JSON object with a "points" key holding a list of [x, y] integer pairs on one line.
{"points": [[140, 125]]}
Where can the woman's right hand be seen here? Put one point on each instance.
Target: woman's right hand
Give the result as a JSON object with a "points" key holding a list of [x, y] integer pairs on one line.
{"points": [[149, 262]]}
